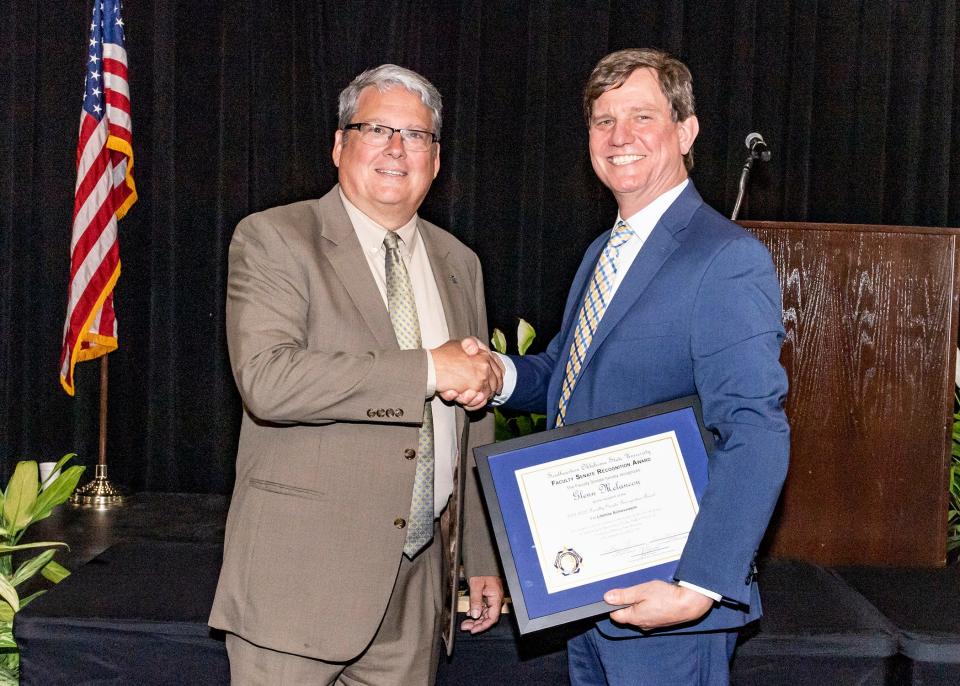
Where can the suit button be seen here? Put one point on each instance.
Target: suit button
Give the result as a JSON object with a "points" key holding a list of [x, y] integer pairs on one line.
{"points": [[381, 412], [409, 453], [400, 522], [399, 412], [371, 413]]}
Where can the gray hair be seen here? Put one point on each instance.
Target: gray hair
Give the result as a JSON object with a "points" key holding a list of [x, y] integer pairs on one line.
{"points": [[383, 78]]}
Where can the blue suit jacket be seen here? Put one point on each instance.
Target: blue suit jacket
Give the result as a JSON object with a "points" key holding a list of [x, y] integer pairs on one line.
{"points": [[698, 312]]}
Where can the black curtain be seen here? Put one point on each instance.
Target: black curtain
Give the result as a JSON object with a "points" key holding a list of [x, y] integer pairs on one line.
{"points": [[234, 110]]}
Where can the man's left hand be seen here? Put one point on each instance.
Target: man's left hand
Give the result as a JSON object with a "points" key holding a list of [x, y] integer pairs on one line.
{"points": [[656, 604], [486, 598]]}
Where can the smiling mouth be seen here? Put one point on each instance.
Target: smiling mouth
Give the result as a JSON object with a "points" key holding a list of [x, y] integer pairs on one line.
{"points": [[392, 172], [620, 160]]}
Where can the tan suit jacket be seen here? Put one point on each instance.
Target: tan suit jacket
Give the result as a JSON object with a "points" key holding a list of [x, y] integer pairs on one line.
{"points": [[332, 407]]}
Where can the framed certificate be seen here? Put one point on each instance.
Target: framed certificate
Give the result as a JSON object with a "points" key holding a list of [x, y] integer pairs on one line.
{"points": [[592, 506]]}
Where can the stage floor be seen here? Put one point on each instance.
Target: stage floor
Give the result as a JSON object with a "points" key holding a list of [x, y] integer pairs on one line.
{"points": [[144, 574]]}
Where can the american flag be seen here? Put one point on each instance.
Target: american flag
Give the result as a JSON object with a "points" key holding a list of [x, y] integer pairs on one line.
{"points": [[104, 192]]}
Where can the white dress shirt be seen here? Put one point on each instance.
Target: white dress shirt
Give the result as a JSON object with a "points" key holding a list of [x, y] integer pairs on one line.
{"points": [[433, 330]]}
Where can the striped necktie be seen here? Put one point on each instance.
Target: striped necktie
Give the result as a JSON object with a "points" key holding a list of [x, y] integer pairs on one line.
{"points": [[591, 312], [406, 325]]}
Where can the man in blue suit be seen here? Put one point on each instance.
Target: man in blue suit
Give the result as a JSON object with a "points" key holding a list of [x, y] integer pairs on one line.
{"points": [[674, 300]]}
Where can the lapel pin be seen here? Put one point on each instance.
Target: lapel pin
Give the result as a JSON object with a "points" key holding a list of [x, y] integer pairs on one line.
{"points": [[453, 278]]}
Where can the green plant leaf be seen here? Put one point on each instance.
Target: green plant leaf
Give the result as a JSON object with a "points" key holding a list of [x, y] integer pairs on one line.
{"points": [[9, 593], [57, 492], [20, 496], [511, 424], [6, 636], [525, 336], [30, 567], [6, 613], [30, 598], [501, 429], [57, 467], [499, 341], [7, 549], [55, 572], [524, 425]]}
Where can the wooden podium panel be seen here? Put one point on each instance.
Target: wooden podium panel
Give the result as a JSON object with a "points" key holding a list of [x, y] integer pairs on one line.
{"points": [[870, 314]]}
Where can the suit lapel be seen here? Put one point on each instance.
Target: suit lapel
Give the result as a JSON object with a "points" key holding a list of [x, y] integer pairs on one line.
{"points": [[569, 324], [655, 251], [450, 282], [660, 244], [346, 256]]}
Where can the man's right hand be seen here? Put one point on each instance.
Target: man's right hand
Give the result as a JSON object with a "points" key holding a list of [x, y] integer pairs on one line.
{"points": [[471, 380]]}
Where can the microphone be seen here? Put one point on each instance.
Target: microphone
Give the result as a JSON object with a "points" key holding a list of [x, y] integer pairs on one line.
{"points": [[759, 150], [757, 146]]}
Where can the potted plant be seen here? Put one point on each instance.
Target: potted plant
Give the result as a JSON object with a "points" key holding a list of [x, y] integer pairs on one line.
{"points": [[25, 501], [511, 424]]}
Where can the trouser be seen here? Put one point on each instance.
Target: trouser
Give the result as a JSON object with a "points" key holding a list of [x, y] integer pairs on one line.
{"points": [[404, 651], [695, 659]]}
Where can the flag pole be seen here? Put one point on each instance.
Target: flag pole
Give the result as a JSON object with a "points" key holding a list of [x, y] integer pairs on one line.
{"points": [[100, 493], [104, 181]]}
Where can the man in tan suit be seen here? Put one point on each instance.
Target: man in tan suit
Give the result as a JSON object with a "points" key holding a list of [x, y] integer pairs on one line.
{"points": [[341, 319]]}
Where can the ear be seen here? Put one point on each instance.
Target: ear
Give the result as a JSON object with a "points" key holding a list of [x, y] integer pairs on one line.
{"points": [[436, 162], [337, 147], [687, 131]]}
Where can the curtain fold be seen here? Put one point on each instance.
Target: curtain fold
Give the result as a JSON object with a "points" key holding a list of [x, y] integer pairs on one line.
{"points": [[234, 111]]}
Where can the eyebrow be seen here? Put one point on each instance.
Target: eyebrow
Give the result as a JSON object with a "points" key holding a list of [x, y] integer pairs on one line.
{"points": [[632, 110], [415, 127]]}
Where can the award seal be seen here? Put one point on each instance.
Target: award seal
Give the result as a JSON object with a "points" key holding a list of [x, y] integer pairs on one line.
{"points": [[568, 561]]}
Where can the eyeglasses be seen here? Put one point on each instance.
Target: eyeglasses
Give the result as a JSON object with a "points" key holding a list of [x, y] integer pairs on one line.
{"points": [[379, 135]]}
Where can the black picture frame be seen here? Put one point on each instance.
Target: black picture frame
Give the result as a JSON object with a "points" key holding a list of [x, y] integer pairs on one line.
{"points": [[497, 463]]}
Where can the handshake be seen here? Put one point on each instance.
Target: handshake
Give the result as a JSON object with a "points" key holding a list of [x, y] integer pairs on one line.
{"points": [[467, 373]]}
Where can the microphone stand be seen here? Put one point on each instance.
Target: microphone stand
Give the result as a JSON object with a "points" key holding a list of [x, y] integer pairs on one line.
{"points": [[744, 176], [758, 150]]}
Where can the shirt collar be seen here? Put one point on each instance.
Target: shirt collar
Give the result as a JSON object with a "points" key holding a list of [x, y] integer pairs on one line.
{"points": [[370, 233], [643, 221]]}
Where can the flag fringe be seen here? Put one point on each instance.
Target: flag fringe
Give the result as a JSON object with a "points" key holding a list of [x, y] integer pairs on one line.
{"points": [[102, 344]]}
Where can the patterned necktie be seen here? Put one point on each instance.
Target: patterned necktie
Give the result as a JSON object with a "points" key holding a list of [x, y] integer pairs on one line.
{"points": [[406, 324], [591, 312]]}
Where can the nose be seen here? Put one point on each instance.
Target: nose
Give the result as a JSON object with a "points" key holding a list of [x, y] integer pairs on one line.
{"points": [[395, 146], [621, 134]]}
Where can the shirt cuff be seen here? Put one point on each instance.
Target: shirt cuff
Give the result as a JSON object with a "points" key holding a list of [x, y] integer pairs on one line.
{"points": [[509, 380], [702, 591], [431, 376]]}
